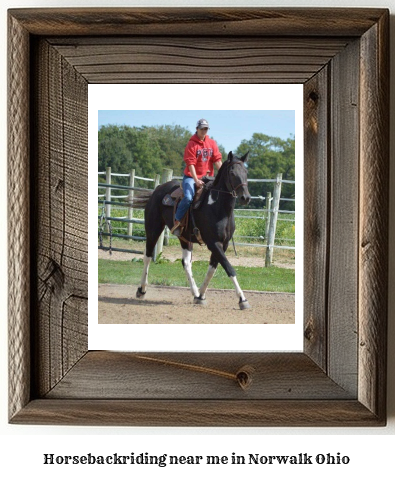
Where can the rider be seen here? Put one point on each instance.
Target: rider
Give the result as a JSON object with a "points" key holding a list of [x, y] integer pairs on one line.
{"points": [[200, 154]]}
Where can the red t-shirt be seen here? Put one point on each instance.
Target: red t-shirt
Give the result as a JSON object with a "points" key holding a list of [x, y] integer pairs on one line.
{"points": [[202, 154]]}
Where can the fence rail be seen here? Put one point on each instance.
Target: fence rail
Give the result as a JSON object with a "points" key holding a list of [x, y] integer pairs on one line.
{"points": [[269, 212]]}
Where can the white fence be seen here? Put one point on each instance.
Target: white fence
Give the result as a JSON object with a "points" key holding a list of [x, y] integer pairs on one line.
{"points": [[268, 213], [107, 201]]}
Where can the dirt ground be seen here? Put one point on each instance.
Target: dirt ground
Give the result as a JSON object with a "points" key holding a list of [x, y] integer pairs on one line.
{"points": [[174, 305]]}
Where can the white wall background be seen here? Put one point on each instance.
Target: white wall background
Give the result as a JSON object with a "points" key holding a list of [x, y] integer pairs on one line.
{"points": [[370, 450]]}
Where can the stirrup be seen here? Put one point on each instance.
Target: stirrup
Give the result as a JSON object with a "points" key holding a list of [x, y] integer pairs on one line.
{"points": [[174, 231]]}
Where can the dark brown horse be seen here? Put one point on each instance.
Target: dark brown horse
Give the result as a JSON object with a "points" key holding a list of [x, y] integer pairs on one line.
{"points": [[214, 219]]}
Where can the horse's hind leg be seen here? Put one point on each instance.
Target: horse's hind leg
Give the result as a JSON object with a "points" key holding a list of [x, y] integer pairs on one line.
{"points": [[211, 270], [187, 265], [152, 238], [144, 278]]}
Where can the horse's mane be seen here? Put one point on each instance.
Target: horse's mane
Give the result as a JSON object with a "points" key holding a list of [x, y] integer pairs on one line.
{"points": [[221, 172]]}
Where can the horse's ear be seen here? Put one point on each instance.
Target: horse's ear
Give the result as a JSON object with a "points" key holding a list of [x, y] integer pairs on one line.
{"points": [[245, 157], [230, 156]]}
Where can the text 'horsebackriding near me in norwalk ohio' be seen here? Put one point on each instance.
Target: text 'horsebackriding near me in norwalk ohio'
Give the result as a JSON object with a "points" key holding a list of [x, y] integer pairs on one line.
{"points": [[164, 460]]}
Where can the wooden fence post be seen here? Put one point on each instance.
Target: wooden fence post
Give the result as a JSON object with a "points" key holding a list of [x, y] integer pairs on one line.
{"points": [[268, 208], [156, 183], [108, 198], [156, 180], [130, 199], [167, 175], [273, 221]]}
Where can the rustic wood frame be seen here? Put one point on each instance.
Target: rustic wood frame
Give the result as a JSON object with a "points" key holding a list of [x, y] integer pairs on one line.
{"points": [[342, 57]]}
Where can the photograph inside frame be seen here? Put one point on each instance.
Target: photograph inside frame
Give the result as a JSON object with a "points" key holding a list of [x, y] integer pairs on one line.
{"points": [[199, 217]]}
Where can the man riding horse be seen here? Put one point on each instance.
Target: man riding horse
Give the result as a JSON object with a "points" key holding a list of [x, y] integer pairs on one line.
{"points": [[200, 154]]}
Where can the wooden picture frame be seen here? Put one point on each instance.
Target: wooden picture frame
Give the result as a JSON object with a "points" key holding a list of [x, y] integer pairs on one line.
{"points": [[342, 58]]}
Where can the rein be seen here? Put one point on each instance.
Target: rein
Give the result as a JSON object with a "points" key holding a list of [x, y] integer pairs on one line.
{"points": [[232, 193]]}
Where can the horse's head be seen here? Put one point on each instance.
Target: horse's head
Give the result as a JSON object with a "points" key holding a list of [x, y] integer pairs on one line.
{"points": [[237, 177]]}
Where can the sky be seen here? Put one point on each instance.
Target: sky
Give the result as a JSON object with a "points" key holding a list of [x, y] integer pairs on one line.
{"points": [[227, 127]]}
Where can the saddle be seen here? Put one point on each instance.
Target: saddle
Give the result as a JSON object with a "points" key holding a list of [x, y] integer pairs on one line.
{"points": [[175, 197]]}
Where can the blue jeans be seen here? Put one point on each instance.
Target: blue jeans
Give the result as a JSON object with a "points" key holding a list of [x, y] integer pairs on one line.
{"points": [[188, 186]]}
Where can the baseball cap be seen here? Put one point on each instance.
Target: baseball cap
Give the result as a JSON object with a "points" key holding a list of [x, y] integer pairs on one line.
{"points": [[202, 123]]}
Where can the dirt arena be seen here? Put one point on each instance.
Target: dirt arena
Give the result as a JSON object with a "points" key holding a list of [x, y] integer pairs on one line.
{"points": [[174, 305]]}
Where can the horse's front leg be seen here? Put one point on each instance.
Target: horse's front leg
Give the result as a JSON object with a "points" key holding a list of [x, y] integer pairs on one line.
{"points": [[187, 264], [243, 303], [219, 254]]}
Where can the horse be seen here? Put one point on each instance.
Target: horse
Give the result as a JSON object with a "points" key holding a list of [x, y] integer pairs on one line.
{"points": [[214, 219]]}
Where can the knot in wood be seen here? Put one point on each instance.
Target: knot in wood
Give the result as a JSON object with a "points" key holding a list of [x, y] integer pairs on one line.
{"points": [[54, 276], [244, 376], [313, 96], [308, 332]]}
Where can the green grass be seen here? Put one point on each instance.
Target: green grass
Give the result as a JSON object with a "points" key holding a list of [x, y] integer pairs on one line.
{"points": [[270, 279], [285, 232]]}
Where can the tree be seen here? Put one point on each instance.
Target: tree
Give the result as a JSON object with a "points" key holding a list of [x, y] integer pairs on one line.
{"points": [[268, 157], [145, 149], [148, 149]]}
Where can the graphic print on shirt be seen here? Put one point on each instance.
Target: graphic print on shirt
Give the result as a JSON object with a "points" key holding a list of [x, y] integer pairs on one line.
{"points": [[206, 153]]}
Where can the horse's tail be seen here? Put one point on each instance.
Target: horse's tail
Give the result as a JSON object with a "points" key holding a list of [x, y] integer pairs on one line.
{"points": [[141, 199]]}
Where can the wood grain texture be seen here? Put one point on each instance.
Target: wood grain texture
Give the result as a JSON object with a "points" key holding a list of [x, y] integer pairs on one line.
{"points": [[202, 413], [261, 22], [61, 234], [373, 232], [224, 60], [316, 206], [318, 387], [344, 216], [196, 376], [18, 218]]}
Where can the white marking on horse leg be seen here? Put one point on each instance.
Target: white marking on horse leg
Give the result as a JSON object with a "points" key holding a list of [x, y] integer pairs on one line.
{"points": [[187, 261], [207, 280], [239, 292], [144, 277]]}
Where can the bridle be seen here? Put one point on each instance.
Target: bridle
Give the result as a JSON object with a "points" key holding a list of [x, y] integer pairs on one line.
{"points": [[233, 192]]}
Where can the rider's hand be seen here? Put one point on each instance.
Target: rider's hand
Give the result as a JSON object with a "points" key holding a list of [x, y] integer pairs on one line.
{"points": [[199, 183]]}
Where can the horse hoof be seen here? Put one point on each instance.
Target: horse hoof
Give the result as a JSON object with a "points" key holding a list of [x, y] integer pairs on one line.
{"points": [[244, 305], [199, 301], [140, 294]]}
